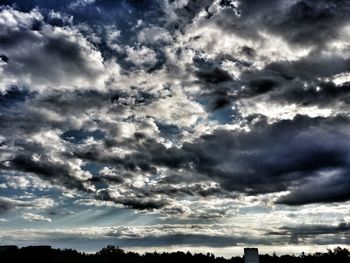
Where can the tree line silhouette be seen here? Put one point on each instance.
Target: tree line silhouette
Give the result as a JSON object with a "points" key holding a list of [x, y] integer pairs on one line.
{"points": [[114, 254]]}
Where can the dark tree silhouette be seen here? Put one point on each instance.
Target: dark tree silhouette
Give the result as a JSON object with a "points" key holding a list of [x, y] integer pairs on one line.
{"points": [[38, 254]]}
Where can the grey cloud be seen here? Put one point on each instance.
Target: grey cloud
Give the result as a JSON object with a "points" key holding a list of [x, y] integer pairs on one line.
{"points": [[276, 152], [8, 204], [53, 172], [218, 86], [139, 202], [185, 12], [313, 23], [317, 229], [46, 55], [301, 82], [319, 234], [334, 190], [214, 76], [288, 155], [269, 158], [299, 22]]}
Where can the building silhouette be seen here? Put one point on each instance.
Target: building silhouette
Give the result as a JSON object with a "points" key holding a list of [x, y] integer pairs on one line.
{"points": [[251, 255]]}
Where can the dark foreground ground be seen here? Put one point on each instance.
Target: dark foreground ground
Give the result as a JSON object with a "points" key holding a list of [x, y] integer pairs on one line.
{"points": [[114, 254]]}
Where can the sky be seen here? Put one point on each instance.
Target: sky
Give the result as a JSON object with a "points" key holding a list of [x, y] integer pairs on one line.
{"points": [[175, 125]]}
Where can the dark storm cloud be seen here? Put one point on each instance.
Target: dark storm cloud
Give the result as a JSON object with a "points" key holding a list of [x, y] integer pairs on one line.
{"points": [[298, 82], [7, 204], [196, 189], [333, 190], [292, 155], [14, 96], [308, 230], [313, 23], [319, 234], [320, 94], [269, 158], [47, 57], [214, 76], [139, 202], [303, 82], [218, 85], [149, 154], [308, 67], [273, 157], [219, 89], [303, 22], [73, 102], [55, 173], [27, 117]]}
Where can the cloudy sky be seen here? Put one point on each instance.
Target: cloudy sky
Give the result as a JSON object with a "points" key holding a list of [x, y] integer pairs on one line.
{"points": [[206, 125]]}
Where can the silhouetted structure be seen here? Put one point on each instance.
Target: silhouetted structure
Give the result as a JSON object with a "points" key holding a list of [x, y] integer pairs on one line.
{"points": [[46, 254], [7, 248], [251, 255]]}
